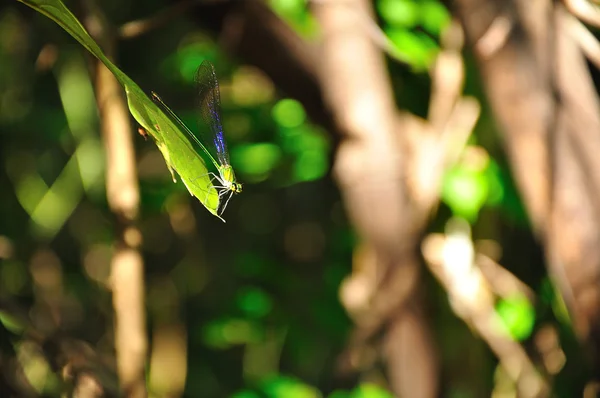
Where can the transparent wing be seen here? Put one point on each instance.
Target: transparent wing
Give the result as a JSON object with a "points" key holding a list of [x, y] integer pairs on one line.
{"points": [[183, 127], [209, 100]]}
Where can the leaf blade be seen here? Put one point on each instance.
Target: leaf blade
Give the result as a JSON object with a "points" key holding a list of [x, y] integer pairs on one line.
{"points": [[179, 154]]}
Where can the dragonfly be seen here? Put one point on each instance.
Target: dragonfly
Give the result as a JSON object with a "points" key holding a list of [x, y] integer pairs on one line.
{"points": [[209, 105]]}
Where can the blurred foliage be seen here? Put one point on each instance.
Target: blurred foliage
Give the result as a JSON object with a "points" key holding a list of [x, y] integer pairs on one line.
{"points": [[517, 315], [414, 27], [252, 305], [471, 183], [296, 13]]}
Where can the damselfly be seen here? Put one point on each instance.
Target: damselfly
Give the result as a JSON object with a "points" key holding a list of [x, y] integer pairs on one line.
{"points": [[209, 104]]}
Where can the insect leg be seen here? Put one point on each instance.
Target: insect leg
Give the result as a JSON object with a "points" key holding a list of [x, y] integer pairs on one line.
{"points": [[226, 202]]}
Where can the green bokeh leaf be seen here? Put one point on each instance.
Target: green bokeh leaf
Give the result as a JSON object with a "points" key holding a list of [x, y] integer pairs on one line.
{"points": [[493, 173], [288, 7], [295, 12], [289, 113], [518, 315], [465, 191], [178, 152], [370, 390], [434, 17], [11, 323], [281, 386], [403, 13], [254, 302], [311, 165], [256, 160], [225, 332], [416, 49]]}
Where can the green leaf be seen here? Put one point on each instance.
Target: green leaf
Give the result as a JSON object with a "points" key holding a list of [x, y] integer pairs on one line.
{"points": [[11, 323], [465, 191], [493, 174], [289, 113], [311, 165], [225, 332], [256, 161], [369, 390], [254, 302], [288, 387], [415, 48], [288, 7], [434, 17], [518, 316], [403, 13], [296, 13], [179, 153]]}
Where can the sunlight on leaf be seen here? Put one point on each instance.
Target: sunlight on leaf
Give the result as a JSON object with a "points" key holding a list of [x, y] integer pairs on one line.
{"points": [[434, 17], [289, 113], [10, 322], [518, 315], [417, 49], [466, 186], [288, 6], [256, 160], [465, 192], [295, 12], [404, 13], [59, 201], [369, 390], [29, 185], [311, 165], [282, 386]]}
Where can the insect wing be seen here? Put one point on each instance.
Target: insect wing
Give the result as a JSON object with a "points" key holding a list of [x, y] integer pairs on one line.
{"points": [[210, 109]]}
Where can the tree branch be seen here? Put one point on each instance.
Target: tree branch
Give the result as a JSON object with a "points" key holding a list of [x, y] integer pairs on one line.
{"points": [[584, 10], [544, 99], [127, 270], [370, 174]]}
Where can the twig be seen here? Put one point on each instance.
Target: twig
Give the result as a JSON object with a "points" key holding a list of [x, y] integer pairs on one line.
{"points": [[586, 40], [447, 77], [502, 281], [127, 269], [451, 259], [451, 119], [494, 37], [369, 170], [584, 10]]}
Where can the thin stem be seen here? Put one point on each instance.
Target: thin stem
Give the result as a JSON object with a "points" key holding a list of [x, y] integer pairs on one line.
{"points": [[127, 267]]}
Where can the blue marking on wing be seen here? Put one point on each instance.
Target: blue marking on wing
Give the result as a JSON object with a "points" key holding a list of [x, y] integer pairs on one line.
{"points": [[210, 108]]}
